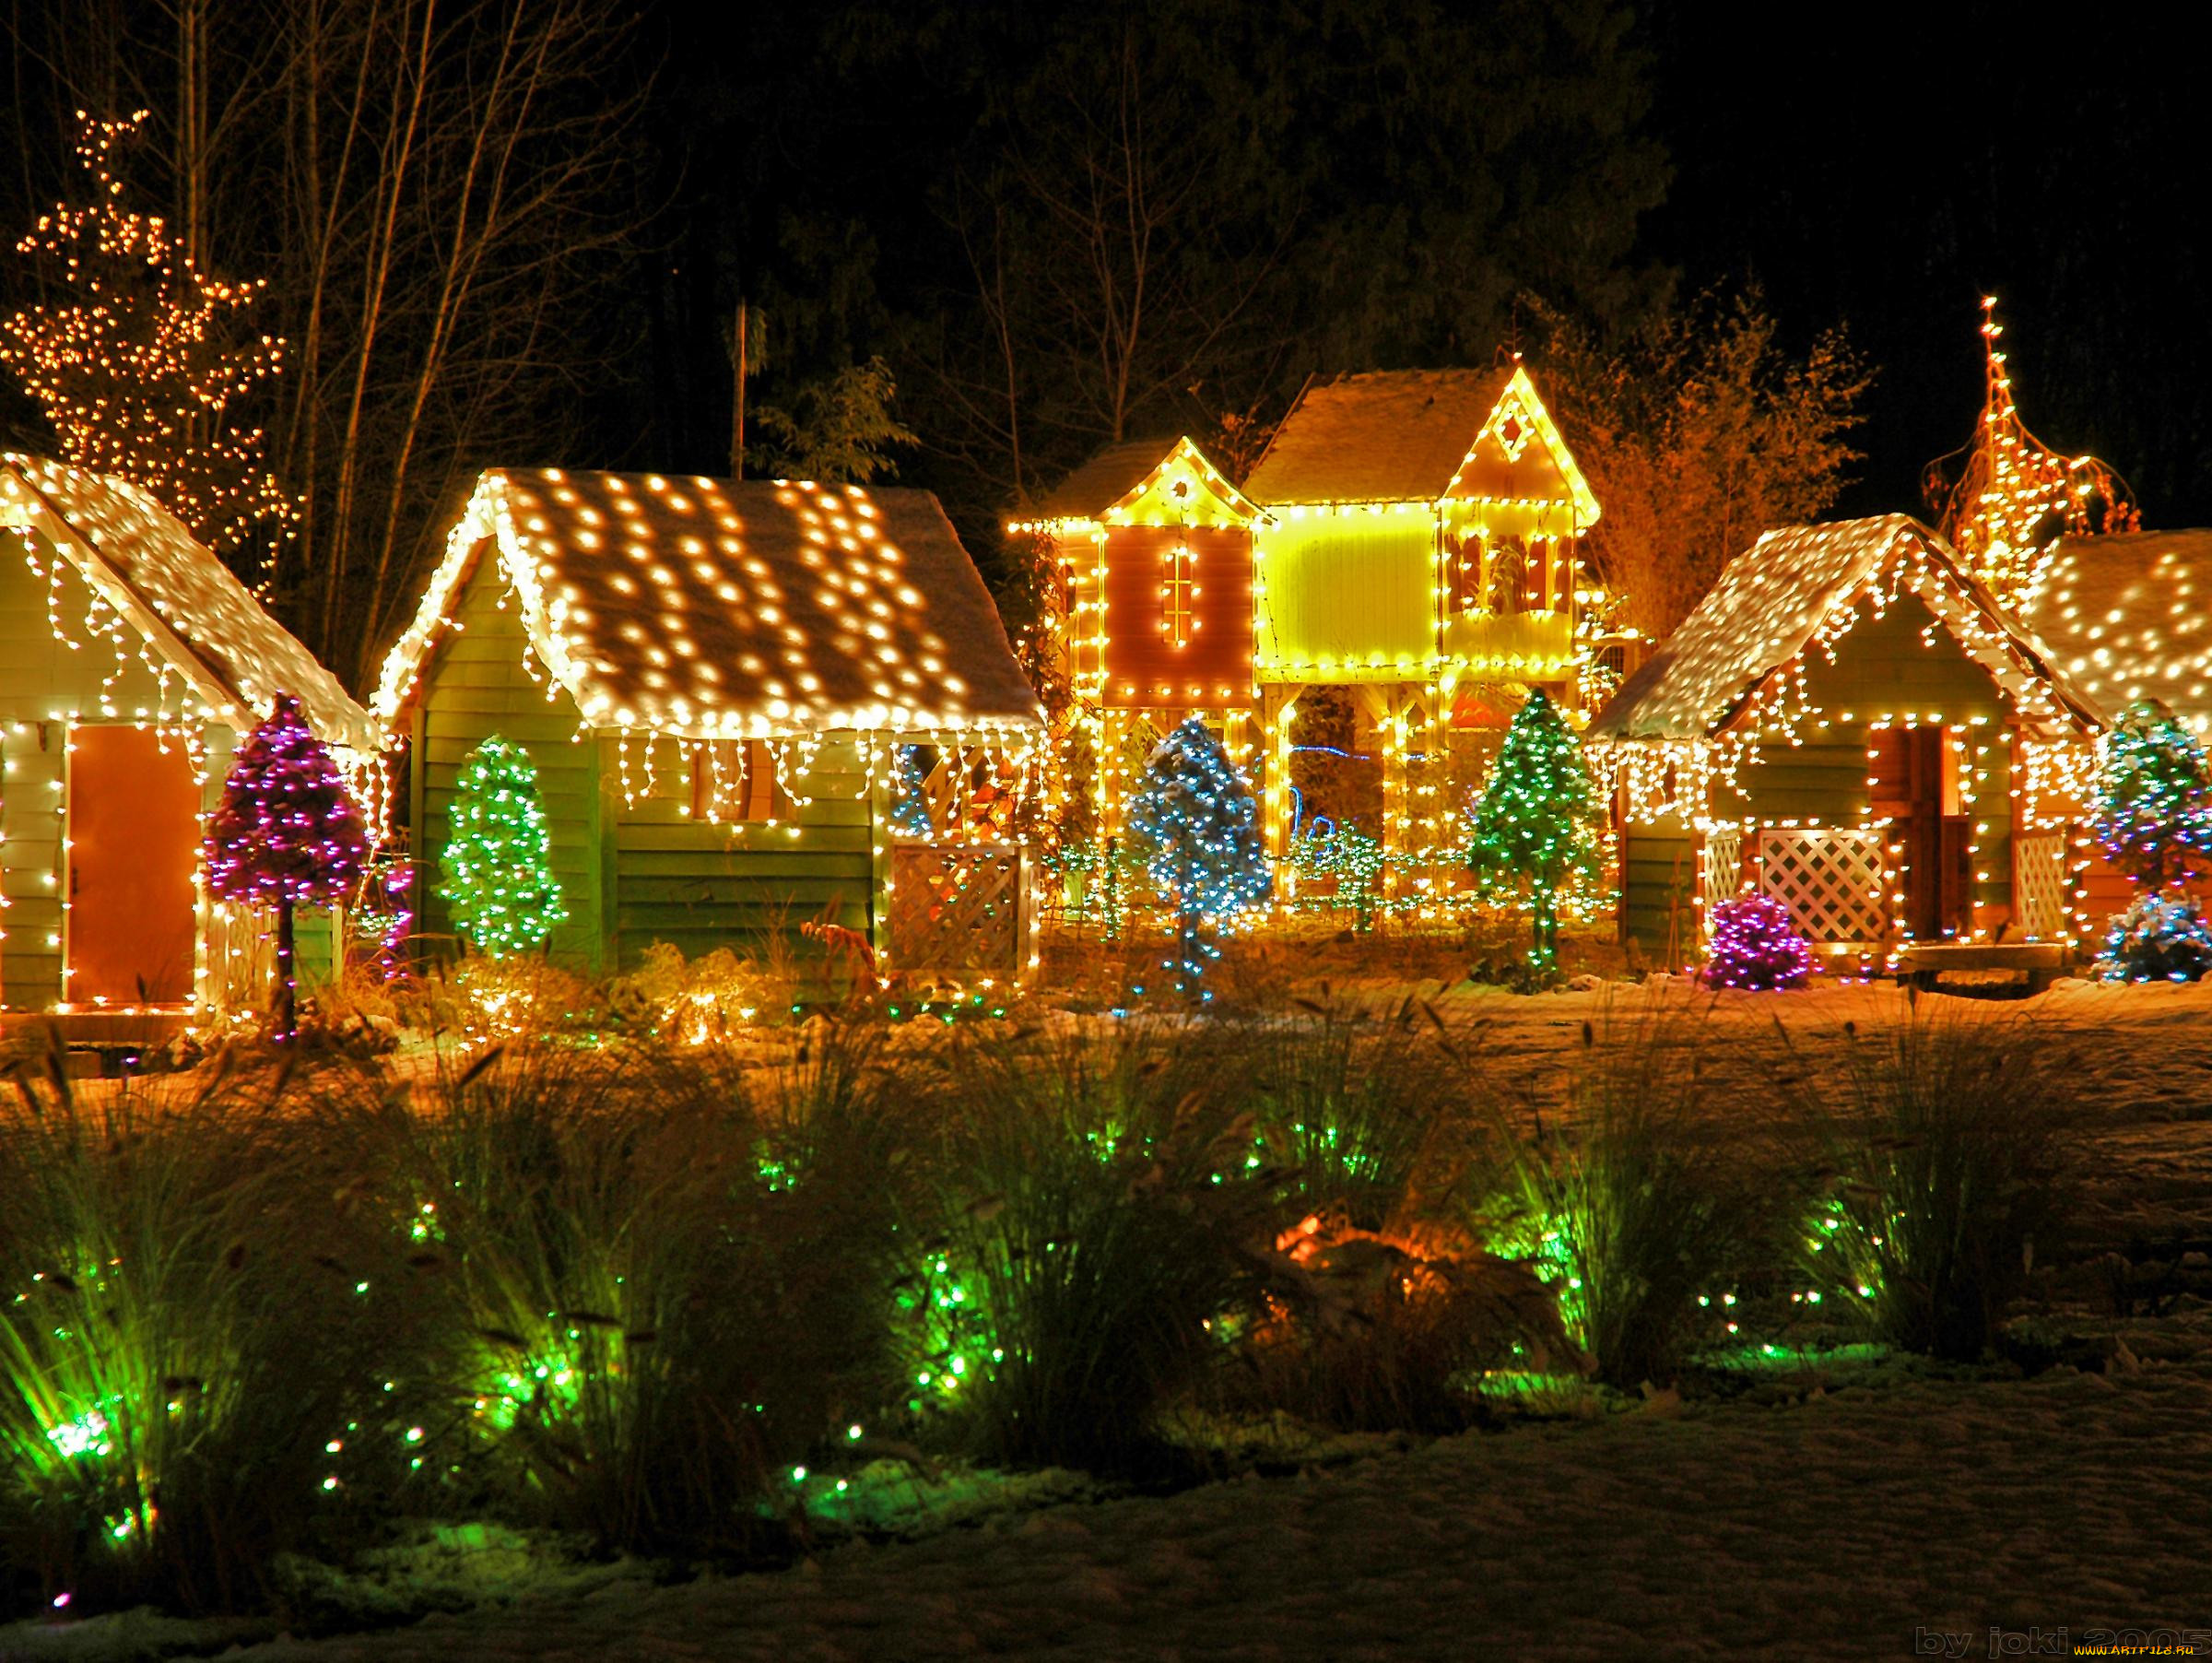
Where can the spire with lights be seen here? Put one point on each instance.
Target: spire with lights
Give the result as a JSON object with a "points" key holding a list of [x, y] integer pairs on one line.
{"points": [[2016, 497]]}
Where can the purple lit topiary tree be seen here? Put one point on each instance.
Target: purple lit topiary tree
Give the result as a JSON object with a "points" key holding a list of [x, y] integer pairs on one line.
{"points": [[286, 833], [1756, 945]]}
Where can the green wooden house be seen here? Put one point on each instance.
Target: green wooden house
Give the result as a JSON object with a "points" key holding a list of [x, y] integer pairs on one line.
{"points": [[1850, 724], [132, 663], [727, 688]]}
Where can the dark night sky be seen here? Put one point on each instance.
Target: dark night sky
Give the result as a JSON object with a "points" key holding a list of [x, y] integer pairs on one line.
{"points": [[1879, 165], [1888, 166]]}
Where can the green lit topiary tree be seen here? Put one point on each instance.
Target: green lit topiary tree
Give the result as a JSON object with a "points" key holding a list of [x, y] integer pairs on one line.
{"points": [[495, 865], [1535, 840]]}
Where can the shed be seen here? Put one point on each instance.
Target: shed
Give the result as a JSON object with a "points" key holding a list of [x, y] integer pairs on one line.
{"points": [[132, 662], [725, 687], [1848, 723]]}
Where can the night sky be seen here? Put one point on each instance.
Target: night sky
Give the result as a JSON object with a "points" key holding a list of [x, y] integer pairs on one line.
{"points": [[1889, 166], [1883, 167]]}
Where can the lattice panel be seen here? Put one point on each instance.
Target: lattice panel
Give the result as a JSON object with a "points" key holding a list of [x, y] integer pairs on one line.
{"points": [[1831, 880], [959, 910], [2039, 884], [1722, 867]]}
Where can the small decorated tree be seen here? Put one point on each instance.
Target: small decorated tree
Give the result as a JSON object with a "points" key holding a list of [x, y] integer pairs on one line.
{"points": [[909, 794], [2153, 818], [1535, 832], [1756, 945], [496, 868], [1195, 817], [286, 833]]}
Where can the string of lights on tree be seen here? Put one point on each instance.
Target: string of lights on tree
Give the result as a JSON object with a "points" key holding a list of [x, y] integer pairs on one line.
{"points": [[1757, 946], [286, 834], [1195, 818], [1536, 838], [496, 868], [2152, 817], [138, 369]]}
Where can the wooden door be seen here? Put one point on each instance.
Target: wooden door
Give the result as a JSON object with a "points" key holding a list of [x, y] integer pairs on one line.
{"points": [[134, 848], [1940, 868]]}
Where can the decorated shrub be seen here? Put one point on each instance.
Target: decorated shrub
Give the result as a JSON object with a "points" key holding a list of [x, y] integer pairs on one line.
{"points": [[2153, 820], [1756, 945], [286, 835], [2159, 938], [497, 866]]}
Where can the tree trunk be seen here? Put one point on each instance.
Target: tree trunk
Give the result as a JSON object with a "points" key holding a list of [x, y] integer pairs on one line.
{"points": [[288, 1022]]}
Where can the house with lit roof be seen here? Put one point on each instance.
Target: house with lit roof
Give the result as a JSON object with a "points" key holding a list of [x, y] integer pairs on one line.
{"points": [[132, 665], [726, 688], [1410, 538], [1850, 724]]}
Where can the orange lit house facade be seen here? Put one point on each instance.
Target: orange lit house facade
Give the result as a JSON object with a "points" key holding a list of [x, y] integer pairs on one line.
{"points": [[1409, 538], [132, 665]]}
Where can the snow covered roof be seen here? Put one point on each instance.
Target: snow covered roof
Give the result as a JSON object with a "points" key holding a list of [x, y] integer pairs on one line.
{"points": [[2130, 617], [1807, 580], [204, 623], [1105, 479], [1384, 436], [710, 608]]}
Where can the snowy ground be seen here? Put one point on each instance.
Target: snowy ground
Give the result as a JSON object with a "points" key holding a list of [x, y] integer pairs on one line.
{"points": [[1831, 1526], [1816, 1518]]}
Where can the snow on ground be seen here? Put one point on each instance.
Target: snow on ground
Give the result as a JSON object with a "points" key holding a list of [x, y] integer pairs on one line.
{"points": [[1822, 1521], [1831, 1529]]}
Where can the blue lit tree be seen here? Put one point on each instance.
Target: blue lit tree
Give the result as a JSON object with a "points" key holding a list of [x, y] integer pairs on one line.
{"points": [[1195, 821], [909, 794], [2153, 818], [1534, 839]]}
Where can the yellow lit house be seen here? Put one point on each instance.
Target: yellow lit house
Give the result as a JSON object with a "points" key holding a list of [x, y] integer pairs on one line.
{"points": [[727, 690], [1408, 537]]}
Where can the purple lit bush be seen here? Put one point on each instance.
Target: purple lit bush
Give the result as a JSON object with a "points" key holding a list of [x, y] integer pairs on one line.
{"points": [[1756, 945]]}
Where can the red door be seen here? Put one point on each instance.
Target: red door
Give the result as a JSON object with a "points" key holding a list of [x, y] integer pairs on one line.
{"points": [[134, 848]]}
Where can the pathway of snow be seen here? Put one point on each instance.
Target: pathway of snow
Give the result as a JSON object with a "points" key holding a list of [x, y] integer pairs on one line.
{"points": [[1831, 1529]]}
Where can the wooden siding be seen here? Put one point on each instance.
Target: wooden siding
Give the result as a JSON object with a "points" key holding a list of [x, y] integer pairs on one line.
{"points": [[1658, 892], [41, 680], [1353, 592], [700, 886], [1884, 670], [474, 686], [1144, 669]]}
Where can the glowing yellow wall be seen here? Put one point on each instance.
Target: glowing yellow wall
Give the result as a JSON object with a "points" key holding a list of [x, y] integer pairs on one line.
{"points": [[1348, 597]]}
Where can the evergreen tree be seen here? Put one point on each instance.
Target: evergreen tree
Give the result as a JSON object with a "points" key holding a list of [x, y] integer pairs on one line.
{"points": [[135, 371], [498, 874], [287, 832], [2153, 817], [1195, 820], [2153, 811], [1536, 831]]}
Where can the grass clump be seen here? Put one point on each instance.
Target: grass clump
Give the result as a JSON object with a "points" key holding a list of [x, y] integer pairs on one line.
{"points": [[661, 1307], [1100, 1226], [1937, 1174], [189, 1332], [1627, 1207]]}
